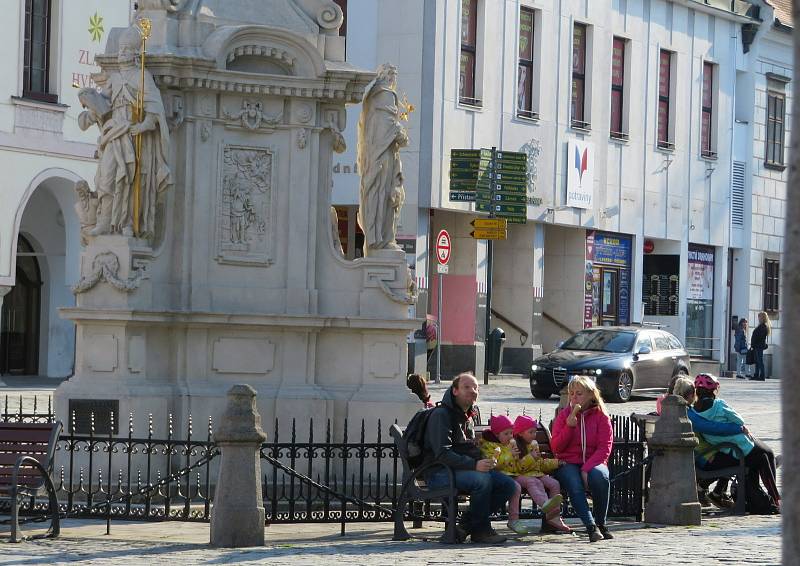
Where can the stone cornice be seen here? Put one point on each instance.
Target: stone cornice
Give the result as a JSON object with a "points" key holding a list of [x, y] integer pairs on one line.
{"points": [[209, 319]]}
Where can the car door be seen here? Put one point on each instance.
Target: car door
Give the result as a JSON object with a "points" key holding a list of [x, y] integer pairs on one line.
{"points": [[644, 365], [665, 360]]}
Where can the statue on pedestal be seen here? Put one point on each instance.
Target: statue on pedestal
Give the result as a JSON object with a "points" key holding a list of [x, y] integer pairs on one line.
{"points": [[380, 137], [133, 145]]}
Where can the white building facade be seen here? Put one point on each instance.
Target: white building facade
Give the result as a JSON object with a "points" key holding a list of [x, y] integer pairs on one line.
{"points": [[49, 46], [639, 99]]}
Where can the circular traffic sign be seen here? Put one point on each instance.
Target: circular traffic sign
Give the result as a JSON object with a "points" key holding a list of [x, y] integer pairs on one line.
{"points": [[443, 247]]}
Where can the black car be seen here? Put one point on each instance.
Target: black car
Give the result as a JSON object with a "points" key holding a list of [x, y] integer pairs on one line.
{"points": [[620, 359]]}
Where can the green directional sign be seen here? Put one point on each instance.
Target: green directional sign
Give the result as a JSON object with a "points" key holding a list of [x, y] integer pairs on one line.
{"points": [[467, 153], [506, 187], [501, 197], [462, 196], [464, 174], [502, 210], [517, 156]]}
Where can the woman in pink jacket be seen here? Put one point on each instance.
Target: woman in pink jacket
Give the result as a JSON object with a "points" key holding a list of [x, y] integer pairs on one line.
{"points": [[582, 437]]}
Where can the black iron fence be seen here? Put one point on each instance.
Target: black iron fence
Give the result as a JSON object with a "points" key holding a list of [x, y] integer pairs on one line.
{"points": [[326, 476]]}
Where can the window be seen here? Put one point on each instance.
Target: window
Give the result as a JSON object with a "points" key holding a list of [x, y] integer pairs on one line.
{"points": [[36, 62], [579, 77], [643, 342], [664, 91], [469, 34], [776, 115], [662, 342], [617, 88], [772, 269], [707, 113], [674, 342], [525, 67]]}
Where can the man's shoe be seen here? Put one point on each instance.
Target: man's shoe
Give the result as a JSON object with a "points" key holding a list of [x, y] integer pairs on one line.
{"points": [[721, 500], [594, 534], [488, 537], [605, 532]]}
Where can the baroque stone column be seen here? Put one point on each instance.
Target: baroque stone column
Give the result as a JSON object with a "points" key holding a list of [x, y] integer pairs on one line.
{"points": [[673, 492], [237, 518]]}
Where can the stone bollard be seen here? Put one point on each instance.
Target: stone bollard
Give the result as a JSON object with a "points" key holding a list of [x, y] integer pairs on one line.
{"points": [[673, 487], [237, 518]]}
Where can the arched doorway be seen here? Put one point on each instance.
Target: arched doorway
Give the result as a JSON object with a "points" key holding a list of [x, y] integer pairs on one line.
{"points": [[20, 316]]}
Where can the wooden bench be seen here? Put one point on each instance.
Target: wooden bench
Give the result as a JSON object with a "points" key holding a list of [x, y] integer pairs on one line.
{"points": [[415, 489], [26, 464], [739, 472]]}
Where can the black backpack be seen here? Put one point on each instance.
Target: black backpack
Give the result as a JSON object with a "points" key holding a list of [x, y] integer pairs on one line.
{"points": [[757, 501], [414, 435]]}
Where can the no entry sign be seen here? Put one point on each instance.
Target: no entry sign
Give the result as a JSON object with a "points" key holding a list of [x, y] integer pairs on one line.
{"points": [[443, 247]]}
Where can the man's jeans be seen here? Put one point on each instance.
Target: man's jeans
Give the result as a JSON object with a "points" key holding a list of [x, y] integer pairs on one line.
{"points": [[570, 477], [488, 492]]}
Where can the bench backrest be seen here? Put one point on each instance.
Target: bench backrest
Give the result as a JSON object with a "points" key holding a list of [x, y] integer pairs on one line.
{"points": [[402, 448], [37, 440]]}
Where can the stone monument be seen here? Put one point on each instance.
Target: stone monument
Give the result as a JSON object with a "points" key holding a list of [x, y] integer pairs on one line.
{"points": [[673, 488], [210, 258]]}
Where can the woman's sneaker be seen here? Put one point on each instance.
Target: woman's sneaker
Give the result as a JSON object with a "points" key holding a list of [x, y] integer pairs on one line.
{"points": [[552, 503], [519, 527], [557, 525]]}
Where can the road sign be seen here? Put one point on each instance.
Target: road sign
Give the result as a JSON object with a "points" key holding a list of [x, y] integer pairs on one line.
{"points": [[443, 247], [443, 269], [462, 196], [489, 223], [489, 234]]}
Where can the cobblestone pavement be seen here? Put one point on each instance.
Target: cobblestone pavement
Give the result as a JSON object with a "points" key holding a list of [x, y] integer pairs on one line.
{"points": [[720, 540]]}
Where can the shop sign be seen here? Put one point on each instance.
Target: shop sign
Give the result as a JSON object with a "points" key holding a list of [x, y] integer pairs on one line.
{"points": [[580, 174]]}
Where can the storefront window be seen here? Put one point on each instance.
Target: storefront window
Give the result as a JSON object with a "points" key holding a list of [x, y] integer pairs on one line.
{"points": [[660, 275], [700, 302], [608, 276]]}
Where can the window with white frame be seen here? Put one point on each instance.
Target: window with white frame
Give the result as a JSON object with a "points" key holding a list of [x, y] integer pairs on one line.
{"points": [[525, 48], [579, 66], [468, 55], [707, 138], [618, 127], [665, 129], [775, 123], [36, 52]]}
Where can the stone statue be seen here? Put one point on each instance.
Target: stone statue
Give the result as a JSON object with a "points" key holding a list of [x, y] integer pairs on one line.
{"points": [[86, 209], [380, 137], [112, 109]]}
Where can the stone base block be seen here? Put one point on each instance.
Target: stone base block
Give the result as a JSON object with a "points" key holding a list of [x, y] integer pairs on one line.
{"points": [[666, 513]]}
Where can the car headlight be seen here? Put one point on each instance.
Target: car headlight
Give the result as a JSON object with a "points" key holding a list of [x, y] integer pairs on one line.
{"points": [[598, 372], [534, 367]]}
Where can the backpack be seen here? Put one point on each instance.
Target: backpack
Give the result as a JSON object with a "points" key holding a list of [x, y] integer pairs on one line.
{"points": [[757, 501], [414, 435]]}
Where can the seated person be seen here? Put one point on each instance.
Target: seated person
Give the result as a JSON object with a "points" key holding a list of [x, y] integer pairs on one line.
{"points": [[450, 439]]}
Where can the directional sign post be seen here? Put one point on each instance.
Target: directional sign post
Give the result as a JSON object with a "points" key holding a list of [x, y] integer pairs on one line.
{"points": [[444, 249]]}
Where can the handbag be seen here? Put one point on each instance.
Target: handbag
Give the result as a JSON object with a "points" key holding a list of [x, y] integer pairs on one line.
{"points": [[750, 357]]}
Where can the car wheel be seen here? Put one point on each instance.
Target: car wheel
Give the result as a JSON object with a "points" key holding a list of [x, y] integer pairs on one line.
{"points": [[623, 388]]}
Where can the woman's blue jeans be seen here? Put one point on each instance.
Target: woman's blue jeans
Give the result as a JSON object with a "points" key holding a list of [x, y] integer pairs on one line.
{"points": [[760, 373], [488, 492], [570, 477]]}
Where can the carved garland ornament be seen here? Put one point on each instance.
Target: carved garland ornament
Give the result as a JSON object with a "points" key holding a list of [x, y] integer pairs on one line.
{"points": [[106, 266]]}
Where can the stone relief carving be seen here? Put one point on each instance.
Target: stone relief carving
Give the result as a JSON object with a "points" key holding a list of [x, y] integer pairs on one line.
{"points": [[128, 149], [533, 149], [169, 5], [380, 137], [303, 113], [105, 266], [86, 209], [381, 277], [339, 143], [176, 112], [252, 115], [244, 205], [302, 138], [205, 130]]}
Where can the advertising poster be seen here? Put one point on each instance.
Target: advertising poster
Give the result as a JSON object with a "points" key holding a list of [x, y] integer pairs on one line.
{"points": [[701, 274], [588, 276], [606, 252], [580, 174]]}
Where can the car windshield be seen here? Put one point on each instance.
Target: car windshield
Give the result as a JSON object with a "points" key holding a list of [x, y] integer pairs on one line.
{"points": [[601, 341]]}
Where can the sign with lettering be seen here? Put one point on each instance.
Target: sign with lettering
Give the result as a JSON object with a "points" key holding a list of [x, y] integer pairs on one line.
{"points": [[580, 174], [701, 273]]}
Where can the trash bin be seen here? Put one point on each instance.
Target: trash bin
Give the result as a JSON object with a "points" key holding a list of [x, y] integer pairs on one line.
{"points": [[494, 357]]}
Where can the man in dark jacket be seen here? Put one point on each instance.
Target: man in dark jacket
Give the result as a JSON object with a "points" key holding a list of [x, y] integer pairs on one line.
{"points": [[449, 439]]}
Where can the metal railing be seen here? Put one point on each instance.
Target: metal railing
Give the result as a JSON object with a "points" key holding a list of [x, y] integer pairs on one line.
{"points": [[332, 479], [702, 347]]}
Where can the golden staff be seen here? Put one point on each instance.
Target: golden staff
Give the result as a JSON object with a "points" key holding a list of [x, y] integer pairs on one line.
{"points": [[143, 26]]}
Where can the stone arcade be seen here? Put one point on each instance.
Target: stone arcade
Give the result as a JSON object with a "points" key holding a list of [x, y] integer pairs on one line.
{"points": [[237, 279]]}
